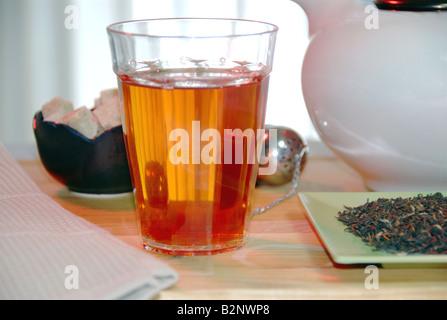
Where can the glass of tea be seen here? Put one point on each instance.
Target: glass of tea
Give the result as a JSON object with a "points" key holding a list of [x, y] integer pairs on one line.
{"points": [[193, 95]]}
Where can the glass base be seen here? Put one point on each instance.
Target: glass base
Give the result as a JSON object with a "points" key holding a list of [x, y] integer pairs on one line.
{"points": [[193, 250]]}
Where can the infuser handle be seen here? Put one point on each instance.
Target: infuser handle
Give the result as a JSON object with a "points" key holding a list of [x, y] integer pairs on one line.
{"points": [[295, 179]]}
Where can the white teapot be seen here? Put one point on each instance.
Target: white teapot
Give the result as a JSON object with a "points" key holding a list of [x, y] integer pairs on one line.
{"points": [[375, 84]]}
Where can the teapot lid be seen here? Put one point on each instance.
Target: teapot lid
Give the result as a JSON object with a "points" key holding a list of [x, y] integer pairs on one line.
{"points": [[411, 5]]}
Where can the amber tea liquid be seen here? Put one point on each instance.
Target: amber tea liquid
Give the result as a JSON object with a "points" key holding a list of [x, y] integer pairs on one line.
{"points": [[191, 207]]}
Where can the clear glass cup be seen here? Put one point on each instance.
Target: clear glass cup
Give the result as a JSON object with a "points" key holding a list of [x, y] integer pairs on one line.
{"points": [[193, 96]]}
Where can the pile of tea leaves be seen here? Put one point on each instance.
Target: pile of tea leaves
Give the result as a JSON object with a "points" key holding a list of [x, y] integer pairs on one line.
{"points": [[415, 225]]}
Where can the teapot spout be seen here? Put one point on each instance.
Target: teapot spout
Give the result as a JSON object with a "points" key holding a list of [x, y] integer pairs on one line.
{"points": [[323, 14]]}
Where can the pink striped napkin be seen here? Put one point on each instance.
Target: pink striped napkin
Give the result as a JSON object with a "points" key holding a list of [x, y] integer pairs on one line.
{"points": [[47, 252]]}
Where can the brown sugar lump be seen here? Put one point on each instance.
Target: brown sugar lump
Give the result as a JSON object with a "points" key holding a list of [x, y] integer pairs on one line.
{"points": [[56, 109], [108, 113], [106, 95], [83, 121]]}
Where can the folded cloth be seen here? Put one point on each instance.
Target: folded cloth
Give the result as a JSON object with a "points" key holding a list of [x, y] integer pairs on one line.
{"points": [[47, 252]]}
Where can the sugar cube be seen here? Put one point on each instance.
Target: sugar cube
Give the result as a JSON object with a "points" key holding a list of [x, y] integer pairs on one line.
{"points": [[105, 95], [108, 113], [83, 121], [57, 108]]}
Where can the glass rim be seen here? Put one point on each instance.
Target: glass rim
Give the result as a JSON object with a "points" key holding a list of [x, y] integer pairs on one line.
{"points": [[111, 28]]}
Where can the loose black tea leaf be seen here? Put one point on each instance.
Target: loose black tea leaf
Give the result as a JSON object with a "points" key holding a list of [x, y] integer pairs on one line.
{"points": [[414, 225]]}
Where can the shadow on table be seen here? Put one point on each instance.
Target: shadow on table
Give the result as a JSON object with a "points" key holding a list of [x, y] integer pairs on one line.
{"points": [[117, 202]]}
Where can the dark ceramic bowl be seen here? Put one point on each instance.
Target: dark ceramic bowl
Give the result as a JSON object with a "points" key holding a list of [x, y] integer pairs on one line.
{"points": [[96, 166]]}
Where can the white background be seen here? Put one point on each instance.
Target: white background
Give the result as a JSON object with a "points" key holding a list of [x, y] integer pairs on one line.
{"points": [[40, 58]]}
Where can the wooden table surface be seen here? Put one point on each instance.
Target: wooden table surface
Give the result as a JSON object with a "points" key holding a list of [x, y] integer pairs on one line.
{"points": [[284, 258]]}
